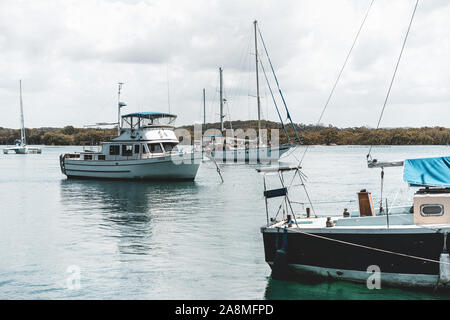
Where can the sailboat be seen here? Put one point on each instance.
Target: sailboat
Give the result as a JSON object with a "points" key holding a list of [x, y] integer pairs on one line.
{"points": [[405, 246], [21, 146], [400, 247], [233, 149]]}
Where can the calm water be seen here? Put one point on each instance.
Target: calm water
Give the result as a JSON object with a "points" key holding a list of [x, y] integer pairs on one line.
{"points": [[190, 240]]}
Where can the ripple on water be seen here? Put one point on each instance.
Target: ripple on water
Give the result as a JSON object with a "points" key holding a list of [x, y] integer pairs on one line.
{"points": [[182, 240]]}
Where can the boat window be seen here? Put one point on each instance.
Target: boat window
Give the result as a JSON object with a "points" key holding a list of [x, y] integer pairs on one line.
{"points": [[127, 150], [88, 157], [101, 157], [136, 148], [154, 147], [143, 149], [432, 210], [114, 150], [170, 146]]}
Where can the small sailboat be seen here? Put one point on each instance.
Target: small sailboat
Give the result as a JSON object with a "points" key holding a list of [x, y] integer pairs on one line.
{"points": [[249, 150], [21, 146], [145, 149]]}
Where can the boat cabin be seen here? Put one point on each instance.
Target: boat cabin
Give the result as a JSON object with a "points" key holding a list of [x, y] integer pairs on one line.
{"points": [[142, 135], [432, 206], [142, 120], [432, 202]]}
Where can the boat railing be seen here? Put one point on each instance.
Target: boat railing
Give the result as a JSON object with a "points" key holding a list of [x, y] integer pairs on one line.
{"points": [[93, 149], [95, 155]]}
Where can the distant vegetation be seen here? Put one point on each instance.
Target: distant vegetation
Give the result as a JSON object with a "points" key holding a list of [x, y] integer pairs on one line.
{"points": [[327, 135], [309, 134], [58, 136]]}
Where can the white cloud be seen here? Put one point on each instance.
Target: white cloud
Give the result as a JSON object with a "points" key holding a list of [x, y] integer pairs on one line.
{"points": [[71, 54]]}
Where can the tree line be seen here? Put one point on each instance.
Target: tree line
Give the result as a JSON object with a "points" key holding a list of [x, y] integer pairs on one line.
{"points": [[308, 134], [331, 135], [68, 135]]}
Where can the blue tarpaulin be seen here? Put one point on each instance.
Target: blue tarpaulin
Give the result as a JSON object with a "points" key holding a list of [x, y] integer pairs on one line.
{"points": [[433, 172]]}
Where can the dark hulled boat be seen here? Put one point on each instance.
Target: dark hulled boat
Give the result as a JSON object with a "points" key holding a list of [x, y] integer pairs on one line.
{"points": [[408, 246]]}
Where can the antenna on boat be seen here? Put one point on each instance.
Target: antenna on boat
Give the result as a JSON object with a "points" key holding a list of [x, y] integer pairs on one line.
{"points": [[119, 105], [168, 87]]}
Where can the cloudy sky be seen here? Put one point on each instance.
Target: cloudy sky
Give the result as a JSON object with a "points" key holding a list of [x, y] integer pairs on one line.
{"points": [[70, 56]]}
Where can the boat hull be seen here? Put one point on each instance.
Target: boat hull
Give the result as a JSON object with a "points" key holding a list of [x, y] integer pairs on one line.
{"points": [[22, 150], [309, 255], [163, 168], [250, 155]]}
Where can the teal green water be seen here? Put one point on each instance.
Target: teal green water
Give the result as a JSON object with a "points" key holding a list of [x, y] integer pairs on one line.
{"points": [[190, 240]]}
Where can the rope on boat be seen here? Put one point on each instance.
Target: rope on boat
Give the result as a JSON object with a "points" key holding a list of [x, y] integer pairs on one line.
{"points": [[217, 167], [339, 75], [319, 202], [370, 248], [332, 91], [278, 85], [393, 76], [274, 101]]}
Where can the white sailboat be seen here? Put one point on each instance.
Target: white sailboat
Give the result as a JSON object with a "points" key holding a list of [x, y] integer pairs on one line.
{"points": [[232, 149], [21, 146]]}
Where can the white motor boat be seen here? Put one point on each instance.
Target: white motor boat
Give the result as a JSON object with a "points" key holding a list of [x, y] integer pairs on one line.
{"points": [[21, 146], [146, 149]]}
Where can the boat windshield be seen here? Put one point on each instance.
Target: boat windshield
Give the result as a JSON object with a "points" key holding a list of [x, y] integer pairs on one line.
{"points": [[146, 119], [154, 147], [170, 146]]}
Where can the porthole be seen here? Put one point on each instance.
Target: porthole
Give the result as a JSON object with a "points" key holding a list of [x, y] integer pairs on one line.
{"points": [[427, 210]]}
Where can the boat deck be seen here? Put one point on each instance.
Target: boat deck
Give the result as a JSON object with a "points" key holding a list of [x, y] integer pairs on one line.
{"points": [[397, 222]]}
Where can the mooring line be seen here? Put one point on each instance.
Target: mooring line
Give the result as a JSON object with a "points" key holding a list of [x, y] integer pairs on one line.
{"points": [[370, 248]]}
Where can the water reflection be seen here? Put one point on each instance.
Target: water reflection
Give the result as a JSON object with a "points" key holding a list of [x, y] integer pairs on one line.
{"points": [[124, 210], [308, 289], [125, 196]]}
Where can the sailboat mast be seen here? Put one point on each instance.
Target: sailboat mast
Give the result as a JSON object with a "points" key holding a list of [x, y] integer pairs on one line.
{"points": [[221, 100], [23, 138], [257, 84], [204, 110]]}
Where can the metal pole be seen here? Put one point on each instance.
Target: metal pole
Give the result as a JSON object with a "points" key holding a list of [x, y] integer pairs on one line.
{"points": [[387, 213], [204, 110], [221, 100], [118, 109], [257, 85], [204, 122], [265, 199], [22, 122], [381, 191]]}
